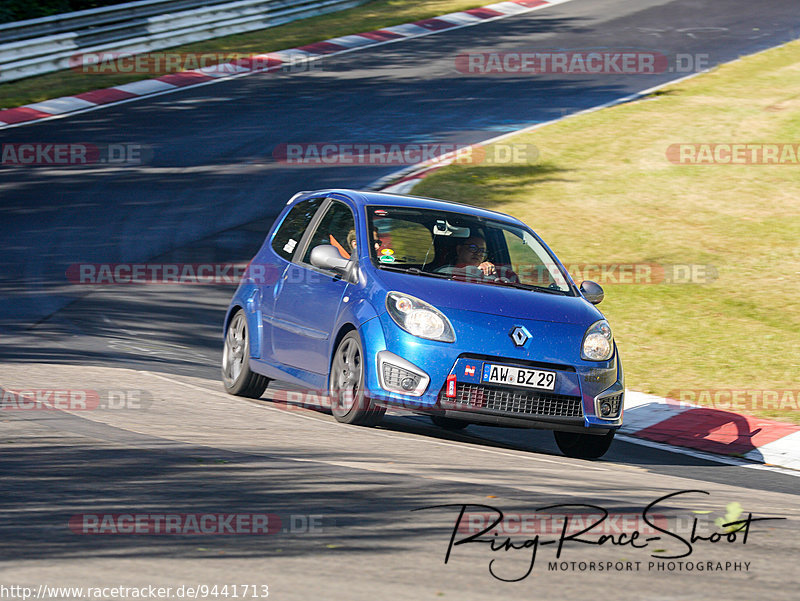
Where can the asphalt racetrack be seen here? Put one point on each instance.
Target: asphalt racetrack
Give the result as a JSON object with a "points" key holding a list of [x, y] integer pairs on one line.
{"points": [[207, 192]]}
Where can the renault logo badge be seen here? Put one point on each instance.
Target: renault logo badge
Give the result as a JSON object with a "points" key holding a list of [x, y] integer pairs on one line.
{"points": [[520, 335]]}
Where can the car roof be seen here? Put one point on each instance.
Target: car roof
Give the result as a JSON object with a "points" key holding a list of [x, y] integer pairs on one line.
{"points": [[363, 198]]}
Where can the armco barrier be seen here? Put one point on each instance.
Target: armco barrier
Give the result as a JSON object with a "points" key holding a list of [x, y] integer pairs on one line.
{"points": [[45, 45]]}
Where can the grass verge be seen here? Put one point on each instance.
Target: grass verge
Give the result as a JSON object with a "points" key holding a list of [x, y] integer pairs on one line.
{"points": [[603, 191], [370, 16]]}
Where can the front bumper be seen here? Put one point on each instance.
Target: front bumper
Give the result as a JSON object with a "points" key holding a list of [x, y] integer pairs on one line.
{"points": [[582, 389], [566, 408]]}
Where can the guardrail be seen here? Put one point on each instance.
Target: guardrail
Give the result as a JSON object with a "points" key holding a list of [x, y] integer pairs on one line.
{"points": [[47, 44]]}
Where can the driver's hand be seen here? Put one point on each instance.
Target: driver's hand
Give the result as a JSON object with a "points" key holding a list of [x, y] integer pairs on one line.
{"points": [[487, 268]]}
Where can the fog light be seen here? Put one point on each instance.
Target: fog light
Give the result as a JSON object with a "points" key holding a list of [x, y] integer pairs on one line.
{"points": [[409, 383], [609, 406], [399, 375]]}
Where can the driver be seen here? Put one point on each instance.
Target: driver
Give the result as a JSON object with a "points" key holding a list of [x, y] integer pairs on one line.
{"points": [[470, 259]]}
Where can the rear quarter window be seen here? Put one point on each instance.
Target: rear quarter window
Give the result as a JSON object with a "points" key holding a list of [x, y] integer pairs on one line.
{"points": [[294, 226]]}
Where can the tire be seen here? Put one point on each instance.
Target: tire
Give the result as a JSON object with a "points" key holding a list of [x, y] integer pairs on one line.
{"points": [[237, 377], [448, 423], [584, 446], [349, 404]]}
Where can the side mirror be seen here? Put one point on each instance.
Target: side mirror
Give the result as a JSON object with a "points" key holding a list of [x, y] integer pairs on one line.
{"points": [[327, 256], [592, 292]]}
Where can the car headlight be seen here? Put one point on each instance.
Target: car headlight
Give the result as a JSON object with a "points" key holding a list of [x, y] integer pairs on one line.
{"points": [[419, 318], [598, 342]]}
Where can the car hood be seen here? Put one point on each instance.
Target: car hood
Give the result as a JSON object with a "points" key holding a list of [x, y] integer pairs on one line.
{"points": [[492, 299]]}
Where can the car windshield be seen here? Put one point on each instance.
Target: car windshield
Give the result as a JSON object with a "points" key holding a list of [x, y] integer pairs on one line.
{"points": [[444, 244]]}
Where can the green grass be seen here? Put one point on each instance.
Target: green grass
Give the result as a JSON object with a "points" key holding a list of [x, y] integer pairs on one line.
{"points": [[603, 191], [370, 16]]}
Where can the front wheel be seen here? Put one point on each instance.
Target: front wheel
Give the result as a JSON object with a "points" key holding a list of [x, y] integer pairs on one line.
{"points": [[584, 446], [236, 374], [349, 404]]}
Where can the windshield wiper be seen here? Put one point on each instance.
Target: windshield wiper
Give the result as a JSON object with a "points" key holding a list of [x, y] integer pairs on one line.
{"points": [[522, 286], [414, 271]]}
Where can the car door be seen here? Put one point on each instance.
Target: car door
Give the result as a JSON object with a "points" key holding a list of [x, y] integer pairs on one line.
{"points": [[272, 261], [308, 300]]}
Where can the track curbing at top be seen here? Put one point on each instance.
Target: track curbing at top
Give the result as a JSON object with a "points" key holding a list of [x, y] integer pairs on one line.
{"points": [[260, 63]]}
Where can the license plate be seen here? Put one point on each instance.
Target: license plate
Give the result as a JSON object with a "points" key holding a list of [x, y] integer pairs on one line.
{"points": [[518, 376]]}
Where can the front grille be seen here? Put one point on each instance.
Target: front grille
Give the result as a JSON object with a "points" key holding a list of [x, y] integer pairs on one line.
{"points": [[514, 400]]}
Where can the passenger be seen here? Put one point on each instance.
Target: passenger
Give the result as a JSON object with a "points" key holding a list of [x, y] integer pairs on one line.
{"points": [[351, 239]]}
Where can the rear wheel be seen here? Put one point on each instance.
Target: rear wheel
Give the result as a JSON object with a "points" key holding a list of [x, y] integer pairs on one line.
{"points": [[584, 446], [236, 374], [349, 404], [448, 423]]}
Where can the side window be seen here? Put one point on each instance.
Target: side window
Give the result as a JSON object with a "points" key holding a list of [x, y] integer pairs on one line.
{"points": [[294, 226], [335, 228]]}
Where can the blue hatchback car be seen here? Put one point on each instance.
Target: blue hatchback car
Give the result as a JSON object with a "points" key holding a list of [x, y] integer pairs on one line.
{"points": [[391, 301]]}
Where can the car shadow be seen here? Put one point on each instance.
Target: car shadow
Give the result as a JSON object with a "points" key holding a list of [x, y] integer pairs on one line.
{"points": [[712, 430]]}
